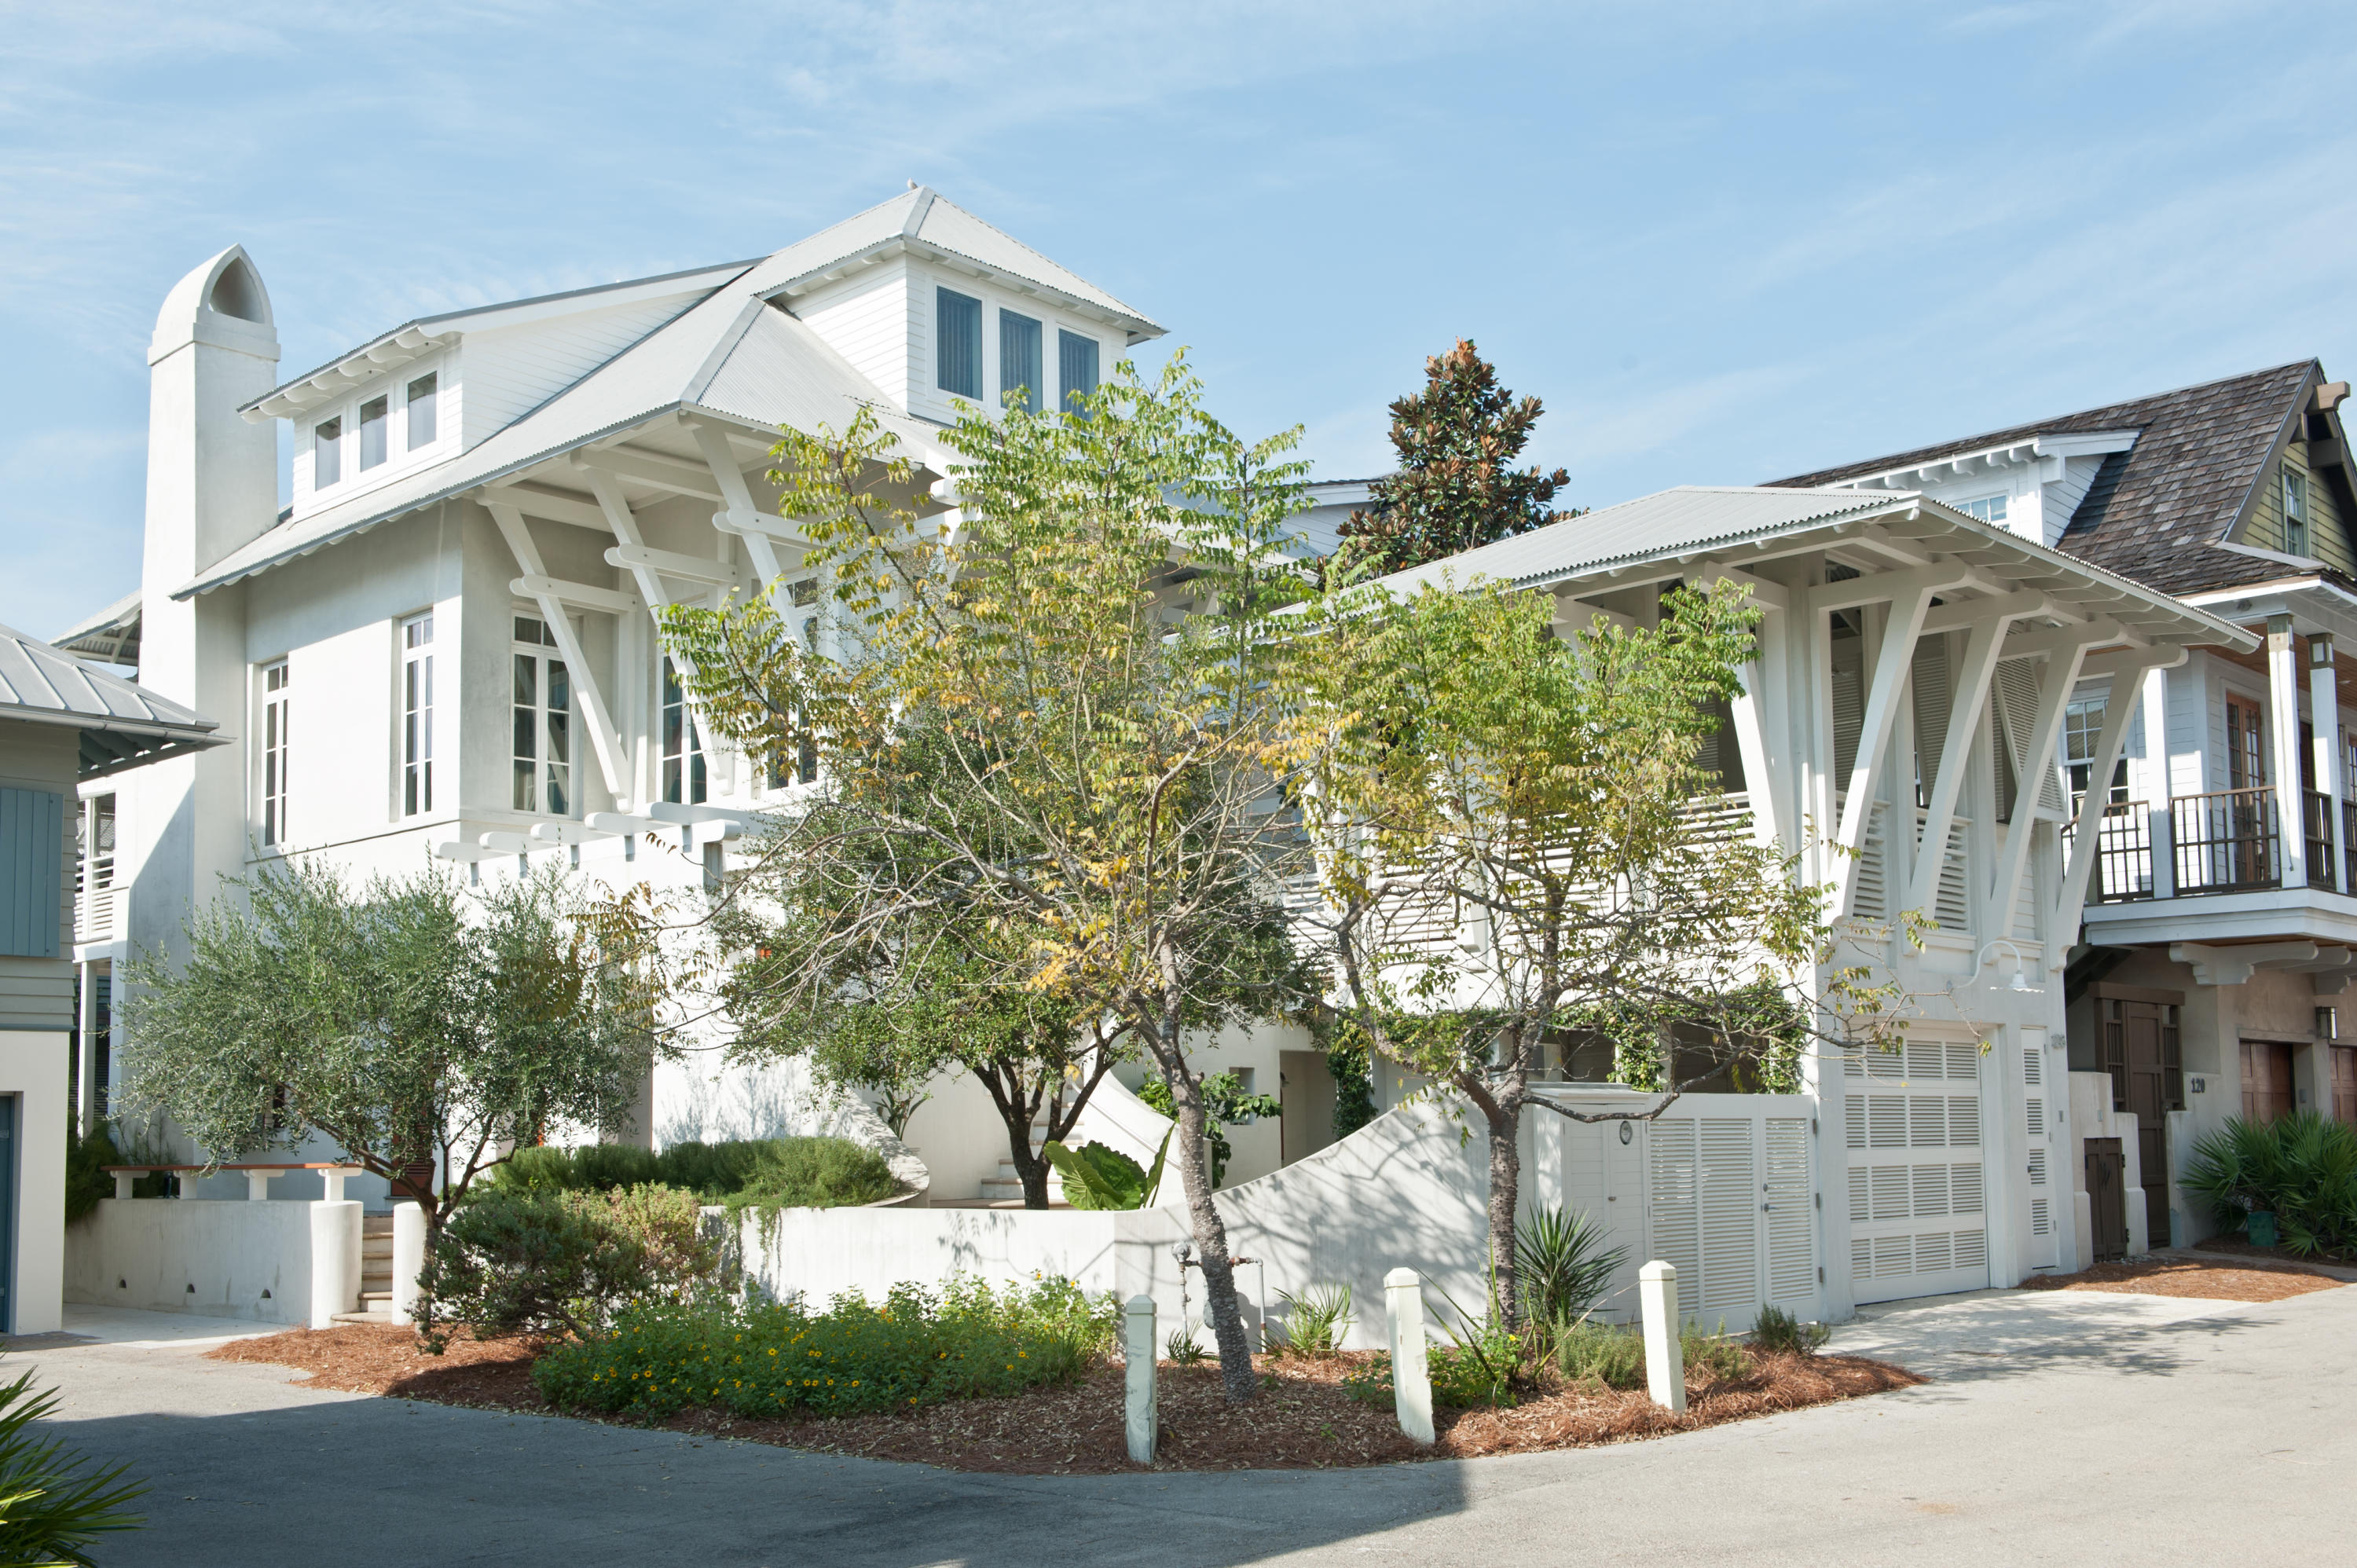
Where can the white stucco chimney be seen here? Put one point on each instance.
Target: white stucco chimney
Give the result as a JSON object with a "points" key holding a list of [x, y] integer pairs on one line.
{"points": [[213, 485]]}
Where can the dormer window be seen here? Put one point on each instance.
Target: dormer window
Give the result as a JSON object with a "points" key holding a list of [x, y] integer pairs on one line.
{"points": [[373, 415], [423, 394], [1076, 358], [958, 348], [1021, 367], [327, 454], [1988, 509], [2295, 503]]}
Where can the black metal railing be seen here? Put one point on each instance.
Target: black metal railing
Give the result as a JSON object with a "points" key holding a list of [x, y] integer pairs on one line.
{"points": [[2226, 840], [2316, 823], [2123, 853], [2349, 846]]}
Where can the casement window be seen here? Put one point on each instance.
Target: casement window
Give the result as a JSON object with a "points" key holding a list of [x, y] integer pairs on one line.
{"points": [[376, 415], [543, 710], [1021, 366], [274, 710], [2082, 726], [327, 453], [417, 714], [1076, 362], [1988, 509], [2295, 505], [682, 758], [957, 350], [2246, 745], [424, 404]]}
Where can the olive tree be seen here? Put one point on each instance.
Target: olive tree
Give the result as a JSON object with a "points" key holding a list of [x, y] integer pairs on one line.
{"points": [[402, 1018]]}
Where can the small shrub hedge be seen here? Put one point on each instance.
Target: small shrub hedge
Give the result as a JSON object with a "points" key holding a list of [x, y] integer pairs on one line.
{"points": [[779, 1359], [520, 1261], [769, 1173], [2301, 1168]]}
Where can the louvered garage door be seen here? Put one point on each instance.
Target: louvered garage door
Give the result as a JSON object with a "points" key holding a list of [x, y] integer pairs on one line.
{"points": [[1913, 1126], [1731, 1208]]}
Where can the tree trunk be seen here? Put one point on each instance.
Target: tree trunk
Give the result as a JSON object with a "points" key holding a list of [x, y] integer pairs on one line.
{"points": [[1221, 1309], [1505, 1191], [1034, 1172]]}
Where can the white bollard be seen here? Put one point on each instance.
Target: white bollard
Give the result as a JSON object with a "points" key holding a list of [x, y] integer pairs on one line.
{"points": [[1665, 1357], [408, 1259], [1411, 1371], [1143, 1421]]}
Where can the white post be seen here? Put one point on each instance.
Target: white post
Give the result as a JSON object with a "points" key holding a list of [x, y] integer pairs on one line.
{"points": [[2324, 718], [335, 1262], [257, 1186], [187, 1184], [2283, 726], [123, 1180], [1143, 1419], [1665, 1359], [334, 1178], [1411, 1374], [408, 1259]]}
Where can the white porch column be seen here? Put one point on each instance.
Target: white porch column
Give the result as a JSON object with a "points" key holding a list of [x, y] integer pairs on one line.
{"points": [[2283, 731], [2159, 784], [86, 1052], [2324, 715]]}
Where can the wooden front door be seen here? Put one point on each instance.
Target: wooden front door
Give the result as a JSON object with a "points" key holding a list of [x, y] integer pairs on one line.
{"points": [[2107, 1198], [2266, 1081], [2146, 1085], [2344, 1083]]}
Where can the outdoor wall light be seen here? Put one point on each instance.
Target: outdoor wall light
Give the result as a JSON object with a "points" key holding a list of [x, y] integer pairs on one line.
{"points": [[2019, 979]]}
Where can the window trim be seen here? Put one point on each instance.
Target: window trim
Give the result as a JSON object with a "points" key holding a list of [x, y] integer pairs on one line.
{"points": [[544, 652], [275, 687], [942, 297], [414, 778]]}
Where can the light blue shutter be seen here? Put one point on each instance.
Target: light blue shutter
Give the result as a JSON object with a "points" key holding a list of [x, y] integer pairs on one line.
{"points": [[1020, 360], [958, 352], [1077, 358], [32, 872]]}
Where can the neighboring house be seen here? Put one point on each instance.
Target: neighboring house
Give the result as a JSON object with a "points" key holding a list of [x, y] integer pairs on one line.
{"points": [[2220, 940], [66, 732], [444, 651]]}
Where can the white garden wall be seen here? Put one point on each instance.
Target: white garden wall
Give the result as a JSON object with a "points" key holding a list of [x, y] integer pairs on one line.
{"points": [[274, 1262]]}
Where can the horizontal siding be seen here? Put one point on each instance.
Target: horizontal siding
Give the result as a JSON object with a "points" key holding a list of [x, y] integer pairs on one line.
{"points": [[36, 993], [2059, 498], [865, 318], [2328, 531], [511, 371]]}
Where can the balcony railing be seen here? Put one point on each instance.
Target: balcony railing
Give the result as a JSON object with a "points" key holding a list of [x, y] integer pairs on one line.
{"points": [[2349, 845], [2123, 853], [94, 915], [2226, 840], [2316, 819]]}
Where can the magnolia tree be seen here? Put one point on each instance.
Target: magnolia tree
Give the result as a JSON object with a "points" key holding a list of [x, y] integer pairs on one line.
{"points": [[1508, 829], [402, 1019], [1049, 726]]}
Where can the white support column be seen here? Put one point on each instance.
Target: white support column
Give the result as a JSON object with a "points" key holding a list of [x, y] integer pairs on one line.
{"points": [[2324, 716], [2084, 845], [1968, 702], [2160, 784], [602, 739], [1891, 659], [2283, 731], [86, 1051], [257, 1186], [2045, 736]]}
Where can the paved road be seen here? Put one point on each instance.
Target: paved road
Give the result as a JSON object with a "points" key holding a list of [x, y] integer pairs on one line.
{"points": [[2079, 1429]]}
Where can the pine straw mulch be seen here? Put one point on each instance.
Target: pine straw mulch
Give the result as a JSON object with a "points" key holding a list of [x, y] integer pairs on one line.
{"points": [[2189, 1278], [1302, 1420]]}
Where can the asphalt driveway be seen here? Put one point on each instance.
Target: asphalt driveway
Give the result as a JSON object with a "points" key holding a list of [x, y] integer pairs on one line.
{"points": [[2079, 1429]]}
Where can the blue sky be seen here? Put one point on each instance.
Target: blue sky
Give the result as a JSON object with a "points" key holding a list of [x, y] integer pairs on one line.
{"points": [[1722, 242]]}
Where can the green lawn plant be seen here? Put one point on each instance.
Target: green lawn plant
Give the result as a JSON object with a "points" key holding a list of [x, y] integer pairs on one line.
{"points": [[1317, 1320], [1778, 1332], [1588, 1351], [780, 1360], [768, 1173], [2302, 1168], [52, 1504]]}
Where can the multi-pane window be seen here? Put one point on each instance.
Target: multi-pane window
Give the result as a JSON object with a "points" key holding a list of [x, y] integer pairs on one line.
{"points": [[274, 693], [542, 707], [682, 758], [1022, 368], [2082, 726], [2246, 745], [1076, 361], [375, 414], [327, 453], [417, 714], [94, 831], [423, 410], [957, 351], [2295, 504], [1988, 509]]}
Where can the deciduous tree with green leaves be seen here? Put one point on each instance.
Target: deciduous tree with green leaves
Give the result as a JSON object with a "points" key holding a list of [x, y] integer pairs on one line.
{"points": [[404, 1019], [1455, 487], [1057, 713], [1517, 841]]}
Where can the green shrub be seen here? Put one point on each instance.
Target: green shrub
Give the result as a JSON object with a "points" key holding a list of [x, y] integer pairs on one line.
{"points": [[1586, 1351], [1317, 1319], [1564, 1263], [2301, 1168], [51, 1506], [1779, 1333], [541, 1169], [564, 1261], [87, 1180], [815, 1173], [777, 1359], [771, 1173], [713, 1170], [1717, 1354]]}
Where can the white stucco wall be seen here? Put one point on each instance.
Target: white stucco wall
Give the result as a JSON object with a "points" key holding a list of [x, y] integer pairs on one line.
{"points": [[275, 1262], [33, 1067]]}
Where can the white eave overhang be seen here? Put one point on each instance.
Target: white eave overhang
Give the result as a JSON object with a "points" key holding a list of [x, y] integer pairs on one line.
{"points": [[1136, 328], [1959, 467], [325, 385]]}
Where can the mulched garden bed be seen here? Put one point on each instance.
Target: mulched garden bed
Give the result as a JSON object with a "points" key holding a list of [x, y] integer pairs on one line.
{"points": [[2187, 1277], [1302, 1420]]}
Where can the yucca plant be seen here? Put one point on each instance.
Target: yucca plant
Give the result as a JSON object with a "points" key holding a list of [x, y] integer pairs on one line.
{"points": [[2301, 1168], [1317, 1319], [51, 1503], [1564, 1263]]}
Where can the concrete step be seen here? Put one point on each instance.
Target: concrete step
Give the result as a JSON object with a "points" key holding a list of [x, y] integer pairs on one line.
{"points": [[379, 1313]]}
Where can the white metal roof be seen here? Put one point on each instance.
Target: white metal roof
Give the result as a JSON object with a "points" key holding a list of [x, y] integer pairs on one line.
{"points": [[121, 724]]}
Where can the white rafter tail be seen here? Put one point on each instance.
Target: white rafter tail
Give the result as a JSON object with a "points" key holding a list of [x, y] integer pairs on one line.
{"points": [[507, 843], [464, 853]]}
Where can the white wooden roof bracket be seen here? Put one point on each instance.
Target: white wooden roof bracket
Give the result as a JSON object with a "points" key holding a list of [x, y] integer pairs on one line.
{"points": [[539, 586]]}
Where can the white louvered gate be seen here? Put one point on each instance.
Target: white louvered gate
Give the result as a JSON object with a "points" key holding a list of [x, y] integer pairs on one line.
{"points": [[1912, 1124], [2045, 1224], [1731, 1205]]}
